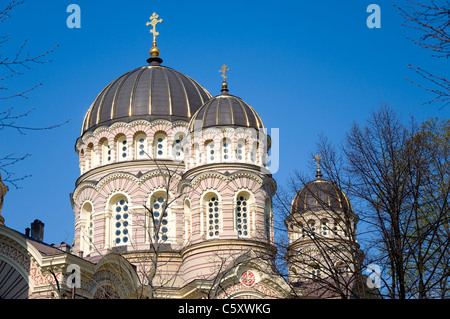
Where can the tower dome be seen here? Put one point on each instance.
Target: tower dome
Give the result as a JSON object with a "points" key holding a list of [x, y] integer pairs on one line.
{"points": [[149, 92], [225, 110], [318, 195]]}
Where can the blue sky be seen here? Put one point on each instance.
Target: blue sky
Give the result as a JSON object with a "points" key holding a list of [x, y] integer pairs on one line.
{"points": [[307, 67]]}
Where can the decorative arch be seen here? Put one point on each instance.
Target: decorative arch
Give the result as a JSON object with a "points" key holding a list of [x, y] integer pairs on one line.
{"points": [[14, 282], [114, 277]]}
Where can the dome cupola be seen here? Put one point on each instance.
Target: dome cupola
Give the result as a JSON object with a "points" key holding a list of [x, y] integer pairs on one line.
{"points": [[225, 110], [320, 195], [226, 130], [149, 92]]}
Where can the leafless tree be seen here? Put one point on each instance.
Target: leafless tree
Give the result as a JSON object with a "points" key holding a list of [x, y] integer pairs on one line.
{"points": [[12, 66], [322, 254], [398, 178], [432, 20]]}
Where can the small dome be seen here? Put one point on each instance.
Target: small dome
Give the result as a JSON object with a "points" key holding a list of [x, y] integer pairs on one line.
{"points": [[320, 195], [149, 92], [225, 110]]}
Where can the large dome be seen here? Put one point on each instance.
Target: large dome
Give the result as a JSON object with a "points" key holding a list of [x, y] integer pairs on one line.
{"points": [[149, 92]]}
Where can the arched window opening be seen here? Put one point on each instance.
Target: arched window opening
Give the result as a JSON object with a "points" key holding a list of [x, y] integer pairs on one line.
{"points": [[197, 154], [325, 229], [140, 146], [122, 148], [160, 145], [312, 228], [342, 268], [160, 211], [213, 213], [106, 152], [240, 151], [187, 220], [253, 153], [210, 152], [242, 215], [122, 220], [226, 150], [315, 271], [267, 218], [90, 157], [87, 228], [177, 148], [82, 162]]}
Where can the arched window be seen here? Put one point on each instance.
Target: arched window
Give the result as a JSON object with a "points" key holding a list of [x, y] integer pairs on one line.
{"points": [[312, 227], [210, 150], [82, 162], [268, 218], [197, 154], [106, 152], [140, 146], [240, 151], [253, 152], [315, 271], [325, 230], [187, 220], [160, 210], [90, 157], [226, 150], [122, 220], [213, 215], [160, 145], [336, 228], [342, 268], [122, 148], [177, 149], [242, 214], [87, 228]]}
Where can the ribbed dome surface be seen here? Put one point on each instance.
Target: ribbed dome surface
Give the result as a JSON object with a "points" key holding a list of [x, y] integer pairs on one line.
{"points": [[320, 195], [148, 92], [225, 110]]}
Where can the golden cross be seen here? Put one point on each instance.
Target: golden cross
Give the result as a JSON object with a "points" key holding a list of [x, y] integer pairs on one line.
{"points": [[317, 159], [153, 22], [223, 70]]}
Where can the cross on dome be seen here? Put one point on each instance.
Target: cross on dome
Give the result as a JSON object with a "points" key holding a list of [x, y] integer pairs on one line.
{"points": [[317, 159], [154, 51], [224, 70]]}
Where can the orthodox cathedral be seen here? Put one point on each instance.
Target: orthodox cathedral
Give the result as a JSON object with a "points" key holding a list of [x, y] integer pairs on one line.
{"points": [[174, 200]]}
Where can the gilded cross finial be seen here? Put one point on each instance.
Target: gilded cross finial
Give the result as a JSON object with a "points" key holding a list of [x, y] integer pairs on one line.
{"points": [[153, 22], [224, 70], [317, 159]]}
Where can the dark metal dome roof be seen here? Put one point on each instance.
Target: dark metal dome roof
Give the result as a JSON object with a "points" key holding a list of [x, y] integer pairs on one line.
{"points": [[225, 110], [149, 92], [320, 195]]}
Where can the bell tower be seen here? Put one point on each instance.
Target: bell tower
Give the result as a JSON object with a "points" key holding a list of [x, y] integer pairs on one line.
{"points": [[323, 250]]}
